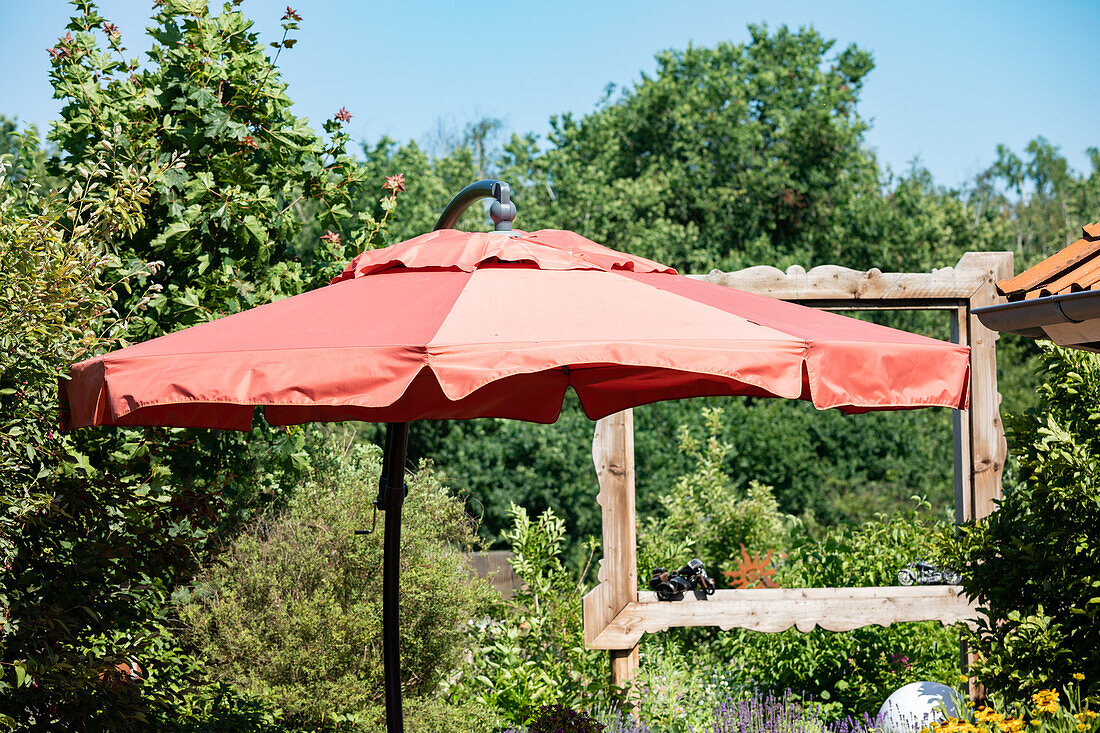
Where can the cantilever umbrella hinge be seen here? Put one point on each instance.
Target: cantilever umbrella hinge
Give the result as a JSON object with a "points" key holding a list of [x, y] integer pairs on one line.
{"points": [[381, 503]]}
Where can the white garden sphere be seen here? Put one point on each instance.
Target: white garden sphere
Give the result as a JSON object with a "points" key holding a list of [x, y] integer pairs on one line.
{"points": [[917, 705]]}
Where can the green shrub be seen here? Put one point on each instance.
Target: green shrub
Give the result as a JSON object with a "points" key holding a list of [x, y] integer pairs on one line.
{"points": [[533, 652], [291, 613], [555, 718], [681, 679], [1034, 564], [867, 554], [178, 182], [85, 556]]}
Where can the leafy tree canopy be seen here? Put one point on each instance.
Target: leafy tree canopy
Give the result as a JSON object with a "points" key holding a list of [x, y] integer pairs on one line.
{"points": [[183, 185], [1034, 564]]}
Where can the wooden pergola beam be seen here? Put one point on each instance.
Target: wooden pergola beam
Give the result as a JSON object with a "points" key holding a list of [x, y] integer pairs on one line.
{"points": [[778, 609], [832, 282]]}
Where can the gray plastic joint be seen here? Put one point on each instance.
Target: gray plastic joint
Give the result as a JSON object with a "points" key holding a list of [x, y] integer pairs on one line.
{"points": [[502, 214], [502, 211]]}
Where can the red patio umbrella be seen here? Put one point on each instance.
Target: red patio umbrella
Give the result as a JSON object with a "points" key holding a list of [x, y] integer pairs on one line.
{"points": [[457, 325]]}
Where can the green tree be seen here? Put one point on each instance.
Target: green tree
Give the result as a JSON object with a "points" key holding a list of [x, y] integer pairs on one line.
{"points": [[726, 157], [26, 158], [1038, 205], [432, 183], [211, 108], [740, 153], [1042, 199], [193, 164], [85, 554], [1034, 564]]}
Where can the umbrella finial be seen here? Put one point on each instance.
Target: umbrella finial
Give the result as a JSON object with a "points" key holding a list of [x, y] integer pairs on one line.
{"points": [[502, 211]]}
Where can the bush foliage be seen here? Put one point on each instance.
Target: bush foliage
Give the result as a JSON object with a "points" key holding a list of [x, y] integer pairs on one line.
{"points": [[532, 652], [852, 672], [179, 182], [85, 553], [291, 613], [1034, 564], [706, 515]]}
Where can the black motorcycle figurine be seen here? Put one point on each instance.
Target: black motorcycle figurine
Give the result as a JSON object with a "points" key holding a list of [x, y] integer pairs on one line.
{"points": [[925, 573], [671, 586]]}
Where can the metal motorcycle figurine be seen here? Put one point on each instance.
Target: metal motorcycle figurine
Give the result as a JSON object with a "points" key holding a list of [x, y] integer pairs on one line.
{"points": [[925, 573], [671, 586]]}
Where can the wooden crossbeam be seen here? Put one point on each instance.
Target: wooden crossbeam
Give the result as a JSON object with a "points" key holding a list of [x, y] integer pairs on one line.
{"points": [[832, 282], [778, 609]]}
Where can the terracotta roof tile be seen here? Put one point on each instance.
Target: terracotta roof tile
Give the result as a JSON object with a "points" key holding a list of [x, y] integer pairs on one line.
{"points": [[1075, 268], [1082, 277]]}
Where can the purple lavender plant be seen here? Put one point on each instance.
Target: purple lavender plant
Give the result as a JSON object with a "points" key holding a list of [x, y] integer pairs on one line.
{"points": [[618, 721], [761, 712], [865, 723], [764, 712]]}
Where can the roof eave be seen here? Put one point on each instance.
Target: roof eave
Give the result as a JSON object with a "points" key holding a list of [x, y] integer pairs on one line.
{"points": [[1072, 319]]}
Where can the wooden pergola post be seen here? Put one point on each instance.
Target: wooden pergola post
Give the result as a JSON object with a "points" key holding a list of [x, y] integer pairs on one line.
{"points": [[613, 456], [616, 614]]}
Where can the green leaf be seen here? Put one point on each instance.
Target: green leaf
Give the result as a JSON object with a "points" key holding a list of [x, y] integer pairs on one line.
{"points": [[176, 229], [255, 229]]}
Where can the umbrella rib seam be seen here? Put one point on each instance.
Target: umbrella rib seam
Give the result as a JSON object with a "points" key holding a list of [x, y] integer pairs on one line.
{"points": [[503, 345]]}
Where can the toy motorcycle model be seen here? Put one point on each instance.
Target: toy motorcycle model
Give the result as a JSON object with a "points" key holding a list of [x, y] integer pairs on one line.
{"points": [[925, 573], [671, 586]]}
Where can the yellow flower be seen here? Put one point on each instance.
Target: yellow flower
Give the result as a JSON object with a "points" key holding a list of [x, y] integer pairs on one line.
{"points": [[1036, 722], [1078, 676], [1046, 701], [1081, 726]]}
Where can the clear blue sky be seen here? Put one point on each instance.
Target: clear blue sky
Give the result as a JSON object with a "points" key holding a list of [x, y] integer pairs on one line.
{"points": [[952, 79]]}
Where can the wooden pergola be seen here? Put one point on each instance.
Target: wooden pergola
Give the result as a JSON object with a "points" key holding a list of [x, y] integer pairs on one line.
{"points": [[616, 614]]}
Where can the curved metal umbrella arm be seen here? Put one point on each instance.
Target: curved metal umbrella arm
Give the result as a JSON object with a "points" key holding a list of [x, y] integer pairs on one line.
{"points": [[502, 212]]}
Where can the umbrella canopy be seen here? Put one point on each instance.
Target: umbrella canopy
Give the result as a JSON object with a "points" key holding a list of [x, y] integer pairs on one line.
{"points": [[454, 325]]}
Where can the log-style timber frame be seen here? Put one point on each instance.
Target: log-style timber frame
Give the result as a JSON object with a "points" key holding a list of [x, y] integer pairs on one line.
{"points": [[778, 609], [616, 614]]}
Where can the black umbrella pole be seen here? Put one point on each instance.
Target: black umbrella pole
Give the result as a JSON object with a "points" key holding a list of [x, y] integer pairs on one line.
{"points": [[391, 495]]}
